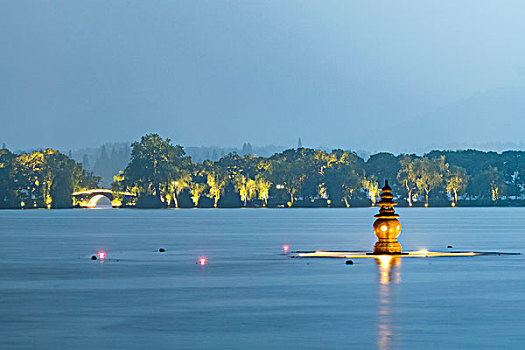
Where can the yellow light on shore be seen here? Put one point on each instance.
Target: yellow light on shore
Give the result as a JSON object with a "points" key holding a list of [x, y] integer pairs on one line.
{"points": [[426, 205], [421, 252], [453, 204]]}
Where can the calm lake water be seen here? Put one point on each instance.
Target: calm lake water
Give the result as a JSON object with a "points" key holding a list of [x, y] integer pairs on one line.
{"points": [[250, 295]]}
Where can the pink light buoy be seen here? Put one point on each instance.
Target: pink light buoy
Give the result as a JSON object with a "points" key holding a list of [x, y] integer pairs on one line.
{"points": [[101, 255], [286, 248], [202, 261]]}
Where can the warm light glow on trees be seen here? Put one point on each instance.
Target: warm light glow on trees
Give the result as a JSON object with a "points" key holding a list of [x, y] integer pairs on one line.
{"points": [[41, 179], [196, 190], [181, 181], [407, 177], [456, 182], [429, 174], [216, 182], [160, 175], [263, 186], [155, 164], [246, 187], [371, 185]]}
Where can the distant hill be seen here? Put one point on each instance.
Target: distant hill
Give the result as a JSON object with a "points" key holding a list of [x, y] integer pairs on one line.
{"points": [[492, 120], [107, 160]]}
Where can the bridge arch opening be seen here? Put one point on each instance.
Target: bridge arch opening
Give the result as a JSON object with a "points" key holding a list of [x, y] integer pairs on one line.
{"points": [[99, 201]]}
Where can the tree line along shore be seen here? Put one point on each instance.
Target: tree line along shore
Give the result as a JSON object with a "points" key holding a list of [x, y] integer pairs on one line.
{"points": [[159, 174]]}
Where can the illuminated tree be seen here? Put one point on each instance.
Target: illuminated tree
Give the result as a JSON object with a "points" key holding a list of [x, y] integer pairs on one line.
{"points": [[371, 185], [429, 174], [290, 177], [487, 184], [246, 187], [196, 190], [456, 181], [153, 165], [512, 165], [263, 186], [324, 160], [216, 183], [42, 179], [322, 191], [341, 182], [180, 182], [407, 177]]}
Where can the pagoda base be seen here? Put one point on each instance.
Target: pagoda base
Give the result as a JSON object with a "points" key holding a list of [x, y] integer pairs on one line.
{"points": [[388, 247], [400, 253]]}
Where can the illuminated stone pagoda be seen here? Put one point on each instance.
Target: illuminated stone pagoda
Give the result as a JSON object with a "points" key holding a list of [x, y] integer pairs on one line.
{"points": [[386, 226]]}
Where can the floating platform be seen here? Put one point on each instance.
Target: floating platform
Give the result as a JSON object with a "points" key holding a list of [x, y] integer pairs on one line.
{"points": [[408, 254]]}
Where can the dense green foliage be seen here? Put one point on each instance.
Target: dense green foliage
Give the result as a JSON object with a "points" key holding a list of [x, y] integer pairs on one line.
{"points": [[41, 179], [160, 174]]}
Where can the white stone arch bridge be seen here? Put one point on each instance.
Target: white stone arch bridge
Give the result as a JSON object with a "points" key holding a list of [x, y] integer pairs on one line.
{"points": [[90, 198]]}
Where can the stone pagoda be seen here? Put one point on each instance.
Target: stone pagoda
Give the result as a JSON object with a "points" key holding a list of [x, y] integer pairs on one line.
{"points": [[387, 227]]}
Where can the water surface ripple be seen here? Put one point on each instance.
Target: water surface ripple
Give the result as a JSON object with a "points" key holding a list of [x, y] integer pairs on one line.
{"points": [[249, 295]]}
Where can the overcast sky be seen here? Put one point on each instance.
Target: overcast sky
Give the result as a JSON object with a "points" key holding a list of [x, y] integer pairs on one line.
{"points": [[335, 73]]}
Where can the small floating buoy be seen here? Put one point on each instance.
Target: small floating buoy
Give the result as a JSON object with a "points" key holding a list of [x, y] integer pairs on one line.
{"points": [[202, 261], [162, 250], [450, 246], [286, 248], [94, 257], [349, 262]]}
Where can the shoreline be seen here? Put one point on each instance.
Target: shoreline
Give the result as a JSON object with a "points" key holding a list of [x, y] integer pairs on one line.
{"points": [[282, 207]]}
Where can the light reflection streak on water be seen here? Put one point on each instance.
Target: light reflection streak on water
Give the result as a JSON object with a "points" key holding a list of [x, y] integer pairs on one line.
{"points": [[389, 273]]}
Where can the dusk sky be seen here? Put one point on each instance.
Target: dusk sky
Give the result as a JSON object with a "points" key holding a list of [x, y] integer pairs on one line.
{"points": [[337, 74]]}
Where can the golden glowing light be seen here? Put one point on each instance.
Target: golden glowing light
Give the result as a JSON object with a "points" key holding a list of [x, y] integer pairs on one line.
{"points": [[387, 226], [93, 201], [426, 205], [384, 260], [423, 253], [388, 273], [453, 204]]}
